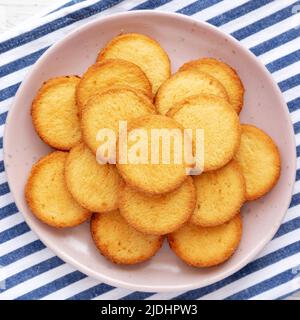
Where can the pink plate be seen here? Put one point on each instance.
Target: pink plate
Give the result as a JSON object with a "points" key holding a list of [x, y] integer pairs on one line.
{"points": [[184, 39]]}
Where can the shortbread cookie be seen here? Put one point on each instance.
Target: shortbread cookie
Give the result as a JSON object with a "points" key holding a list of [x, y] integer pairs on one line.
{"points": [[160, 214], [223, 73], [185, 84], [220, 124], [112, 72], [259, 159], [206, 246], [220, 195], [153, 177], [105, 110], [47, 194], [55, 114], [94, 186], [144, 52], [121, 243]]}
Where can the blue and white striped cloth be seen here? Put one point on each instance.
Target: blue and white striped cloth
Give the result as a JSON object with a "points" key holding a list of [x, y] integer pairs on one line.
{"points": [[271, 30]]}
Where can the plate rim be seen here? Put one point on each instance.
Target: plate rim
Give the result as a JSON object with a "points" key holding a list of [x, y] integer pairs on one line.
{"points": [[127, 284]]}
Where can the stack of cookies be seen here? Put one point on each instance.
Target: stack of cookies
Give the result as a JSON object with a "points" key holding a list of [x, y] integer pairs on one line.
{"points": [[133, 206]]}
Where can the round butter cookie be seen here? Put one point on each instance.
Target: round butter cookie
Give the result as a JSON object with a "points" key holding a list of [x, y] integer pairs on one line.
{"points": [[144, 52], [55, 114], [220, 195], [94, 186], [47, 194], [106, 109], [227, 76], [111, 72], [206, 246], [121, 243], [153, 176], [220, 125], [185, 84], [259, 159], [159, 214]]}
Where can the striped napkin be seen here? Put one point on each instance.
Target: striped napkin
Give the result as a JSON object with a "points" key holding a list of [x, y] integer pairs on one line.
{"points": [[271, 30]]}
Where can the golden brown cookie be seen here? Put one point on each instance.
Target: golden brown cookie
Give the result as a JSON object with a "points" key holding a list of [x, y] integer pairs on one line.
{"points": [[47, 194], [220, 195], [220, 125], [106, 109], [227, 76], [206, 246], [160, 214], [153, 177], [142, 51], [119, 242], [111, 72], [55, 114], [94, 186], [259, 159], [185, 84]]}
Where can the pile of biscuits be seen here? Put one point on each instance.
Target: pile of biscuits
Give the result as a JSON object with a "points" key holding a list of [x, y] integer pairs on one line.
{"points": [[134, 206]]}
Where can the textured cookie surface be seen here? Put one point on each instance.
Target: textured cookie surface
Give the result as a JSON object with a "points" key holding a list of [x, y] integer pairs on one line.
{"points": [[160, 214], [121, 243], [112, 72], [47, 195], [185, 84], [220, 125], [259, 159], [206, 246], [153, 177], [55, 114], [220, 195], [108, 108], [223, 73], [95, 186], [144, 52]]}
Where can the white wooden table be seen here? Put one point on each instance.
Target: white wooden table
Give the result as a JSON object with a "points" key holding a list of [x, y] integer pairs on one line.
{"points": [[13, 12]]}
